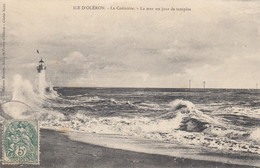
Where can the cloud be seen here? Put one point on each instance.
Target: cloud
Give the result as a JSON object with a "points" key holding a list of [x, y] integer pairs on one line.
{"points": [[75, 58], [124, 48]]}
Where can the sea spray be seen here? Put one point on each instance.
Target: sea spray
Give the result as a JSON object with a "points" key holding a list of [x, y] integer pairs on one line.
{"points": [[23, 91], [255, 135], [26, 103]]}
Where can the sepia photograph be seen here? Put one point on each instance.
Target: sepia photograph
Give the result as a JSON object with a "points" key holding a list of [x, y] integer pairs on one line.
{"points": [[120, 84]]}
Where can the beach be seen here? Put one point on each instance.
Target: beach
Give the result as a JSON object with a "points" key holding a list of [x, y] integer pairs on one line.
{"points": [[57, 150]]}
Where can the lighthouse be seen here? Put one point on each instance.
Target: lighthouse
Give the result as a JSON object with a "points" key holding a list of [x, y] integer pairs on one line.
{"points": [[41, 68]]}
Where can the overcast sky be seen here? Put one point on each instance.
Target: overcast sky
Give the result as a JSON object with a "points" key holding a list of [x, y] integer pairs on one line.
{"points": [[217, 42]]}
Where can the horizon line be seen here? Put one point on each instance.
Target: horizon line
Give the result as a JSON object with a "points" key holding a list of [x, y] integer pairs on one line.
{"points": [[150, 87]]}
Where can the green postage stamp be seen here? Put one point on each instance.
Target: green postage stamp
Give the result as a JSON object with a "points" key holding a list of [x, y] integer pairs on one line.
{"points": [[20, 142]]}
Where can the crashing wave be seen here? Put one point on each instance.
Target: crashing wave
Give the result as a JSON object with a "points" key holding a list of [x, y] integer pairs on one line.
{"points": [[26, 103]]}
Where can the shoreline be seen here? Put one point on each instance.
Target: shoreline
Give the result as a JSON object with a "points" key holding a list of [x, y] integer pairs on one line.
{"points": [[58, 150]]}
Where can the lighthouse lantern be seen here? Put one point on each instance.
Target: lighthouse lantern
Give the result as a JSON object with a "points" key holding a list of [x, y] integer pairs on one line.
{"points": [[41, 66]]}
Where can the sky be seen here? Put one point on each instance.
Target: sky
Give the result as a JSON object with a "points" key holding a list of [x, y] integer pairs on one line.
{"points": [[218, 41]]}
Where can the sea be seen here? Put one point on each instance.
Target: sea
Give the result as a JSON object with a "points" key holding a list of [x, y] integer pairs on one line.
{"points": [[207, 124]]}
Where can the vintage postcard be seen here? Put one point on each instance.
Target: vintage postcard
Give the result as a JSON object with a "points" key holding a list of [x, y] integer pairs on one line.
{"points": [[115, 83]]}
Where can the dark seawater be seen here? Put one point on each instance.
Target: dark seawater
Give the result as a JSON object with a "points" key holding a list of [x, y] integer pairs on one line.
{"points": [[220, 120]]}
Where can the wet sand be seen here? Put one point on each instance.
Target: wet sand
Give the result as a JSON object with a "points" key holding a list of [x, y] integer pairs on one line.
{"points": [[58, 151]]}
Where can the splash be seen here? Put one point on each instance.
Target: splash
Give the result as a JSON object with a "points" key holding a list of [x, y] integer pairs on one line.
{"points": [[182, 104], [50, 92], [23, 91], [255, 135], [26, 103]]}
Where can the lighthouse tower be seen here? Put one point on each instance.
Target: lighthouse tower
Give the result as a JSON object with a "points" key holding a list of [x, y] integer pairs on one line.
{"points": [[41, 77]]}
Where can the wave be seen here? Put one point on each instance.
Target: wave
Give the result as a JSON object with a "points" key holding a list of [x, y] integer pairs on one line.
{"points": [[180, 121], [26, 103], [182, 116], [87, 99], [167, 130], [192, 119]]}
